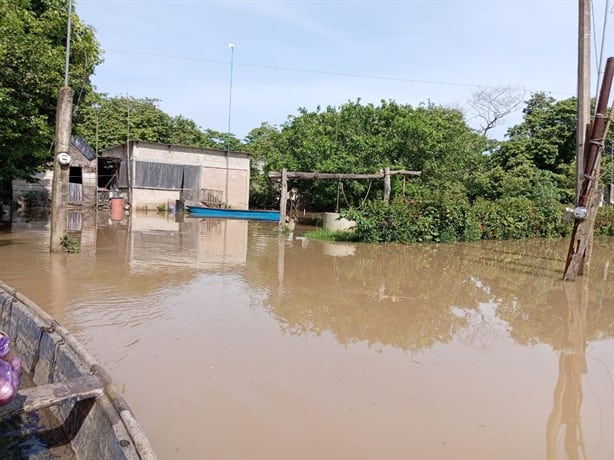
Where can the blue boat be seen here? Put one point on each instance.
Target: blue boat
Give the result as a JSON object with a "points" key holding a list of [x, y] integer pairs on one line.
{"points": [[223, 213]]}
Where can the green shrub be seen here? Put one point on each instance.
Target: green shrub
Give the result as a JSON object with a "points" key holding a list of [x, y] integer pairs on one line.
{"points": [[327, 235], [446, 218], [70, 244], [604, 221]]}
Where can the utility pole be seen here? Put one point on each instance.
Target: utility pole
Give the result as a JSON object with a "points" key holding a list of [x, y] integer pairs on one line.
{"points": [[584, 78], [578, 255], [61, 161], [584, 110]]}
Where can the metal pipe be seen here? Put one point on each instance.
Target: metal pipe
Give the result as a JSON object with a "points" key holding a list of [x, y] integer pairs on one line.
{"points": [[597, 133]]}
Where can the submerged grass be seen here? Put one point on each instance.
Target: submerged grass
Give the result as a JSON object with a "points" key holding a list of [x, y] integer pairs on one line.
{"points": [[327, 235]]}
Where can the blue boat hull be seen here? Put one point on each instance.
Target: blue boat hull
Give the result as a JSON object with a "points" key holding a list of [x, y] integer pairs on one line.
{"points": [[220, 213]]}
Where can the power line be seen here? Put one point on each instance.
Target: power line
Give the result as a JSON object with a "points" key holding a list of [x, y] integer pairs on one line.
{"points": [[322, 72]]}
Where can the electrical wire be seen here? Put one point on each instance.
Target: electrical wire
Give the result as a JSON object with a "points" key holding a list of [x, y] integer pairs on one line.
{"points": [[319, 72]]}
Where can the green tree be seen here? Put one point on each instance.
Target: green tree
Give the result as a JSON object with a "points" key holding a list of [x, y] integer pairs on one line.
{"points": [[357, 138], [108, 121], [263, 143], [546, 137], [32, 59], [119, 118]]}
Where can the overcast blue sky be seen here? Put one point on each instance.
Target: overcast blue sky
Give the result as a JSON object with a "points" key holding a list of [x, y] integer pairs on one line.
{"points": [[305, 53]]}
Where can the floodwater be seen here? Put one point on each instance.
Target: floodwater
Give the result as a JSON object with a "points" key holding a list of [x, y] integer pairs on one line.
{"points": [[232, 342]]}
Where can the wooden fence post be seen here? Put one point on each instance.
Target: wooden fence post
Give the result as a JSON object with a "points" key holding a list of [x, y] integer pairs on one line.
{"points": [[283, 199], [386, 185]]}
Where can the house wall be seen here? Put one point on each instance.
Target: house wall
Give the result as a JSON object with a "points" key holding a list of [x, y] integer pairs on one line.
{"points": [[88, 175], [213, 173], [148, 200], [41, 189]]}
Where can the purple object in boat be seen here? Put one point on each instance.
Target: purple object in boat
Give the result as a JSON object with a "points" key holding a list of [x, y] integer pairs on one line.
{"points": [[10, 372]]}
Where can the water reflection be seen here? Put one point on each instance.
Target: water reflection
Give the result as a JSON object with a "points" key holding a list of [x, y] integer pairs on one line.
{"points": [[565, 418], [198, 243], [412, 297], [303, 349]]}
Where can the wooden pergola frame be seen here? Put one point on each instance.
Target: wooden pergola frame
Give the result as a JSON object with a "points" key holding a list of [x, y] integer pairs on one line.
{"points": [[284, 175]]}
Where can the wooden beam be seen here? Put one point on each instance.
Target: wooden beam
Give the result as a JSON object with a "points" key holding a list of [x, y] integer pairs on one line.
{"points": [[39, 397], [277, 175]]}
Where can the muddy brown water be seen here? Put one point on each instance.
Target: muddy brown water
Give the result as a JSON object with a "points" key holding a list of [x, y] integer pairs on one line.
{"points": [[231, 342]]}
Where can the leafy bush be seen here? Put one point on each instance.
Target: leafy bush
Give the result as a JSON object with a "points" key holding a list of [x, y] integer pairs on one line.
{"points": [[448, 219], [604, 221], [70, 244], [327, 235]]}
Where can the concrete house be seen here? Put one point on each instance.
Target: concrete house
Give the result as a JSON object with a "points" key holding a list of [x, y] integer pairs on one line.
{"points": [[148, 175]]}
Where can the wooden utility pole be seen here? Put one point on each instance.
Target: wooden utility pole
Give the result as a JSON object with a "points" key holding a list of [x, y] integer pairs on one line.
{"points": [[59, 189], [61, 159], [578, 254], [583, 111], [584, 78]]}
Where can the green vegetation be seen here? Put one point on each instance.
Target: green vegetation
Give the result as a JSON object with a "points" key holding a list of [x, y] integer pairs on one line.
{"points": [[32, 58], [70, 244], [327, 235], [471, 188], [105, 121], [604, 222]]}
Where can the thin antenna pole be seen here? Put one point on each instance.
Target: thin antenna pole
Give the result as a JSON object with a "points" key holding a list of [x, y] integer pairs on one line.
{"points": [[127, 119], [232, 55], [69, 27]]}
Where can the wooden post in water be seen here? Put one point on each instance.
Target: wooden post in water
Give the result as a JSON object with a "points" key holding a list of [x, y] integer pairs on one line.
{"points": [[283, 198], [59, 188], [387, 185]]}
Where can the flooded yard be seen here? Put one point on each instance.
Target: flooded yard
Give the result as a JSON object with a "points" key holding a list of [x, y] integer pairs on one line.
{"points": [[230, 341]]}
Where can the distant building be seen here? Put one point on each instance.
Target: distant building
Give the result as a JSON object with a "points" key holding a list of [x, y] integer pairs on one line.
{"points": [[148, 175]]}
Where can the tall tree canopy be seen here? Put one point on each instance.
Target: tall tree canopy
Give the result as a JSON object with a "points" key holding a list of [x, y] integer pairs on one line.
{"points": [[108, 121], [32, 62], [546, 137], [359, 138]]}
